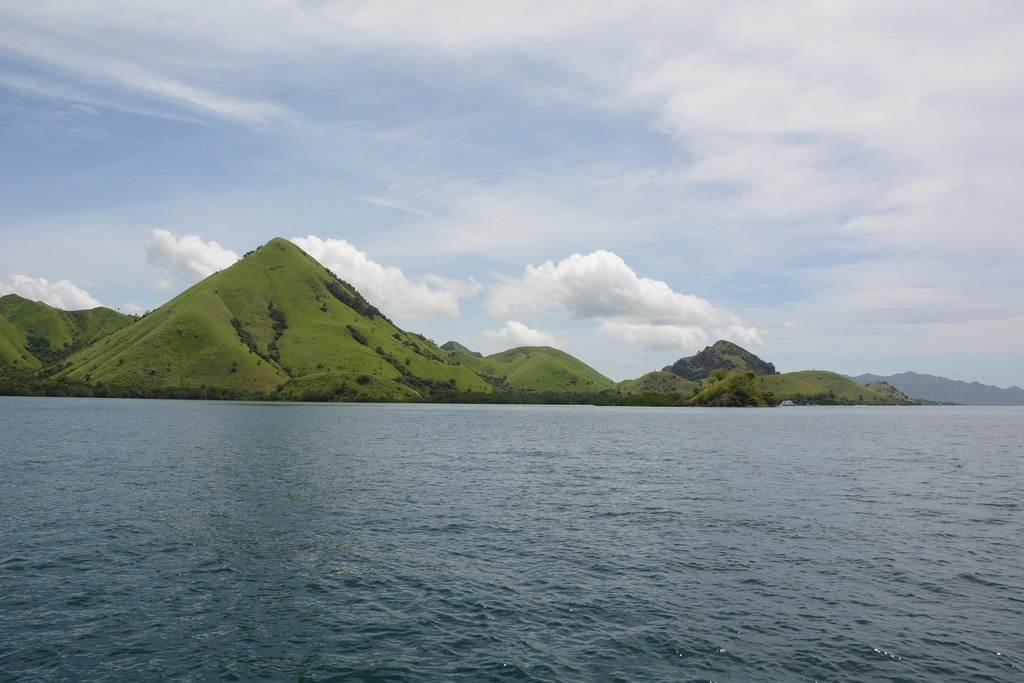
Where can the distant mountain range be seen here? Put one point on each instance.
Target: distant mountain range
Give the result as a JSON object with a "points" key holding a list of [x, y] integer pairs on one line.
{"points": [[278, 325], [940, 389]]}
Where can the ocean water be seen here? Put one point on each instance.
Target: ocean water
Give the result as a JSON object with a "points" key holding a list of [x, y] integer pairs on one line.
{"points": [[194, 541]]}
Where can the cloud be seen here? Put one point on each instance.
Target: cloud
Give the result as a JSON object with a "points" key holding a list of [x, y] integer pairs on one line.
{"points": [[188, 256], [193, 97], [847, 109], [504, 221], [131, 308], [386, 286], [655, 337], [517, 334], [598, 285], [101, 74], [60, 294], [161, 284], [601, 287]]}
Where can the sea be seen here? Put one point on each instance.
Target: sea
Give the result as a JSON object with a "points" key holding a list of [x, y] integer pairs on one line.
{"points": [[219, 541]]}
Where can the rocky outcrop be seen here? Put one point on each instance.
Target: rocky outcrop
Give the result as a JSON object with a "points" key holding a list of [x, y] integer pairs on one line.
{"points": [[722, 354]]}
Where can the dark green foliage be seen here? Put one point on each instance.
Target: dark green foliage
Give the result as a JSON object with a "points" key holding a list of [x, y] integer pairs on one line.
{"points": [[734, 391], [280, 324], [244, 335], [82, 389], [41, 349], [825, 398], [717, 375], [347, 294], [358, 336], [430, 387]]}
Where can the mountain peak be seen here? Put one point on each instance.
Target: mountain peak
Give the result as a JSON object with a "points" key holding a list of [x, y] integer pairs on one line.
{"points": [[277, 322], [722, 354]]}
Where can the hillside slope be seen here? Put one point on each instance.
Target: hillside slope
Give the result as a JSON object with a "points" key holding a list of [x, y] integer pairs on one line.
{"points": [[277, 322], [533, 368], [34, 334], [826, 388], [658, 382], [273, 319]]}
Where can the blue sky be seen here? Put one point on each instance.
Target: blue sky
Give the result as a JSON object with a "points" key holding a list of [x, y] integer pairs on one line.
{"points": [[831, 185]]}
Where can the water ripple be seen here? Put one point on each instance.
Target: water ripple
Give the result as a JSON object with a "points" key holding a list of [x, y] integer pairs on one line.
{"points": [[475, 543]]}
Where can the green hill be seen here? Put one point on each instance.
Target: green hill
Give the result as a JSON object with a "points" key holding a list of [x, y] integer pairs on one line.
{"points": [[274, 319], [533, 368], [722, 354], [720, 389], [279, 323], [659, 382], [34, 334], [827, 388], [733, 391]]}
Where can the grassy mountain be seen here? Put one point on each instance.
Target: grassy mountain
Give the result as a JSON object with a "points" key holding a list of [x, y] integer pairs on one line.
{"points": [[827, 388], [733, 391], [886, 389], [33, 334], [456, 346], [659, 382], [940, 389], [720, 389], [275, 319], [532, 368], [722, 354], [277, 322]]}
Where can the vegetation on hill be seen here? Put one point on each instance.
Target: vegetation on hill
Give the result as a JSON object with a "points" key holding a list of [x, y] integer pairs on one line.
{"points": [[456, 346], [821, 387], [659, 382], [719, 389], [33, 334], [721, 355], [534, 368], [277, 324], [724, 386]]}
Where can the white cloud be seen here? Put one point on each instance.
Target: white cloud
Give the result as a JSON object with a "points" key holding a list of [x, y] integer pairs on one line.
{"points": [[852, 110], [131, 308], [601, 287], [656, 337], [61, 294], [505, 222], [386, 286], [191, 96], [88, 62], [161, 284], [744, 336], [187, 256], [517, 334]]}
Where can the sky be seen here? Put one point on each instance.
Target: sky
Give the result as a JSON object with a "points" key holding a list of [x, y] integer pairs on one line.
{"points": [[831, 185]]}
